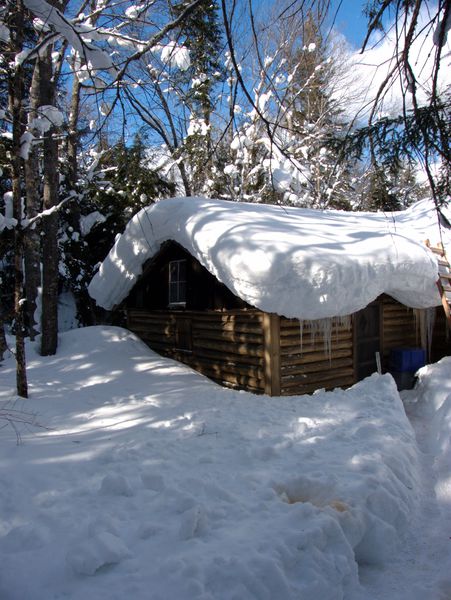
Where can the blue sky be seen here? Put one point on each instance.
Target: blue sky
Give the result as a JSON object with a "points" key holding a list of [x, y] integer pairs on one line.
{"points": [[350, 20]]}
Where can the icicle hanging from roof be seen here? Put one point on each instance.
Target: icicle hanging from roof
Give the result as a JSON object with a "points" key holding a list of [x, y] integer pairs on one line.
{"points": [[325, 327]]}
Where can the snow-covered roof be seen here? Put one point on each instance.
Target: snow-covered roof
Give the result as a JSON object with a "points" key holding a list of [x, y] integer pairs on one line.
{"points": [[295, 262]]}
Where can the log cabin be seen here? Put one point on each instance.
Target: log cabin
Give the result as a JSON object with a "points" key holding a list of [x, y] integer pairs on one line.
{"points": [[276, 300]]}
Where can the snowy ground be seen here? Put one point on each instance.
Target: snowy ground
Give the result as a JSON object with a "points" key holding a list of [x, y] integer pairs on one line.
{"points": [[148, 481]]}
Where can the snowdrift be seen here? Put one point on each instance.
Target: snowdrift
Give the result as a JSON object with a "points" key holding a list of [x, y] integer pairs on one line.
{"points": [[432, 402], [152, 480]]}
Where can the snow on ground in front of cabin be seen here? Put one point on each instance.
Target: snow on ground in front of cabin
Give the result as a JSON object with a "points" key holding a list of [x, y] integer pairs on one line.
{"points": [[300, 263], [148, 480]]}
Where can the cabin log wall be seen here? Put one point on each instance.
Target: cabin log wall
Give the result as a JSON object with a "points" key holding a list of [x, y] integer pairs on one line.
{"points": [[264, 353], [271, 333], [305, 365], [398, 328], [226, 346]]}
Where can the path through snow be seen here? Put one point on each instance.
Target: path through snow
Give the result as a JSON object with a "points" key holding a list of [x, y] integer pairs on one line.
{"points": [[422, 571]]}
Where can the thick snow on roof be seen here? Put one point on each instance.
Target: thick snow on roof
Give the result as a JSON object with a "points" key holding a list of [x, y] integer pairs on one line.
{"points": [[301, 263]]}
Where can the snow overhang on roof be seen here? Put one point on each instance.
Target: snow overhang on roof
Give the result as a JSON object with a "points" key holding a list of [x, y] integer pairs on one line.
{"points": [[301, 263]]}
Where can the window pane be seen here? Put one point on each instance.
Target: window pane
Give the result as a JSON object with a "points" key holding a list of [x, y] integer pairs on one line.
{"points": [[182, 270], [173, 270], [173, 291], [182, 291]]}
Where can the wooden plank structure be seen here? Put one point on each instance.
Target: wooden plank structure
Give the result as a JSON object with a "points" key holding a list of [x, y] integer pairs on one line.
{"points": [[264, 353], [225, 345]]}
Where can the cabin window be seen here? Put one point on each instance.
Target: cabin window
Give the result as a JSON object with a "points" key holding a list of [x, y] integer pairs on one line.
{"points": [[177, 283]]}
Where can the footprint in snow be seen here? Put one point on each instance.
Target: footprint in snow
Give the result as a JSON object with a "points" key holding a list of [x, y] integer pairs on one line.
{"points": [[115, 485], [25, 537], [98, 551], [153, 481], [194, 523]]}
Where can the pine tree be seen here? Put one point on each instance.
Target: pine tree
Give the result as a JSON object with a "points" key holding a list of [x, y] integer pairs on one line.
{"points": [[202, 36], [124, 184], [314, 121]]}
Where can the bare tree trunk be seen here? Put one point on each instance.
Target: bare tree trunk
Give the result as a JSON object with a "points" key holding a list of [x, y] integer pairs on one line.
{"points": [[72, 138], [3, 344], [49, 318], [15, 96], [32, 239], [19, 302]]}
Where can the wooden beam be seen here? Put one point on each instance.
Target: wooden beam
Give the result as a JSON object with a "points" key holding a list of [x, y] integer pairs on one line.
{"points": [[271, 353]]}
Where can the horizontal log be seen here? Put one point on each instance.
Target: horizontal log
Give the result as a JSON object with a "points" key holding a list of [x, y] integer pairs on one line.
{"points": [[145, 332], [223, 367], [222, 357], [157, 329], [226, 317], [158, 346], [312, 387], [252, 327], [225, 335], [161, 348], [318, 378], [233, 386], [399, 335], [291, 338], [207, 316], [308, 331], [153, 331], [215, 330], [228, 347], [315, 346], [295, 334], [147, 326], [298, 349], [218, 331], [395, 336], [224, 341], [296, 324], [144, 317], [238, 380], [398, 324], [317, 367], [387, 347], [312, 357], [397, 311], [393, 322]]}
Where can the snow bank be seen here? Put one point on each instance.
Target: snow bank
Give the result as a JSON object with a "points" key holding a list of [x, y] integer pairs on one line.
{"points": [[433, 401], [152, 478], [296, 262]]}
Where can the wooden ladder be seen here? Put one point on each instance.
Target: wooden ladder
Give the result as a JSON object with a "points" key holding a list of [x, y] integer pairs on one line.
{"points": [[444, 280]]}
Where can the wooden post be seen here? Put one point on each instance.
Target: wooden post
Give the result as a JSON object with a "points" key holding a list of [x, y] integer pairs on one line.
{"points": [[271, 353]]}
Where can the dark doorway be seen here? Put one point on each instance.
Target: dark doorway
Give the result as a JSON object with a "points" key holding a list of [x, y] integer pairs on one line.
{"points": [[367, 340]]}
